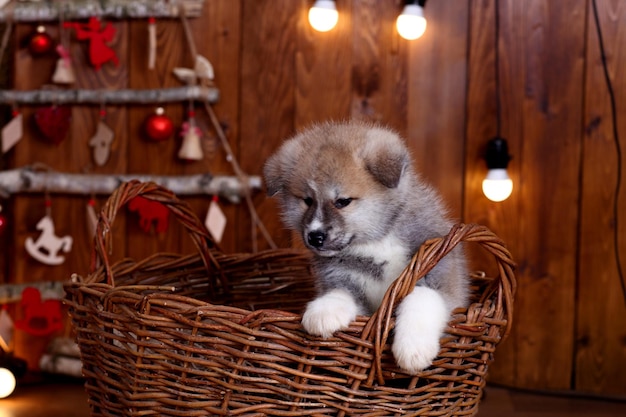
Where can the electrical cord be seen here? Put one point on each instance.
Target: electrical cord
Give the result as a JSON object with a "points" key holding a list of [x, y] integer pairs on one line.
{"points": [[618, 149]]}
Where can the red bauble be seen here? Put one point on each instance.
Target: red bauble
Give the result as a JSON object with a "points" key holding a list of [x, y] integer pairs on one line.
{"points": [[40, 43], [158, 126], [3, 223]]}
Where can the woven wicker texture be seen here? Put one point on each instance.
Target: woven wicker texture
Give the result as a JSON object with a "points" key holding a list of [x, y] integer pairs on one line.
{"points": [[215, 334]]}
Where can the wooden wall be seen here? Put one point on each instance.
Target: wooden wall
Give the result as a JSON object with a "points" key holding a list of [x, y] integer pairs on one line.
{"points": [[276, 75]]}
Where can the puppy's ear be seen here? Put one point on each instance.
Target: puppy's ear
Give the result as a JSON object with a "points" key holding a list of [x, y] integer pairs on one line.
{"points": [[386, 157], [278, 166]]}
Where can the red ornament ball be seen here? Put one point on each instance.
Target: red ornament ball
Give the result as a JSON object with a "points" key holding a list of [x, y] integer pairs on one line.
{"points": [[158, 126], [3, 223], [40, 43]]}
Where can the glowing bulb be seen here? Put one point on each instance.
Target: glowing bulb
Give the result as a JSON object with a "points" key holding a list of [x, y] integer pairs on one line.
{"points": [[411, 24], [497, 186], [323, 15], [7, 382]]}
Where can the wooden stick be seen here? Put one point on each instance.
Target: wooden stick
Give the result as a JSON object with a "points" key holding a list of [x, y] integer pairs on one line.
{"points": [[84, 9], [28, 180], [99, 97]]}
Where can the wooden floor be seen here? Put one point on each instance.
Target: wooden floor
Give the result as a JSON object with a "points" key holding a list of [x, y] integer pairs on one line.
{"points": [[66, 398]]}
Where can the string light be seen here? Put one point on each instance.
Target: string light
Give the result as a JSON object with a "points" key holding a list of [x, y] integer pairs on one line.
{"points": [[411, 24], [323, 16]]}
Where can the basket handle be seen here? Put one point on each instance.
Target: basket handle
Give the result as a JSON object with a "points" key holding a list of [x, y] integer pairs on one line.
{"points": [[152, 191], [379, 325]]}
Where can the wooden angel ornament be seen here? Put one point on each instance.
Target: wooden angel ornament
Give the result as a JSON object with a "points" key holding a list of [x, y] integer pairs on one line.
{"points": [[98, 36]]}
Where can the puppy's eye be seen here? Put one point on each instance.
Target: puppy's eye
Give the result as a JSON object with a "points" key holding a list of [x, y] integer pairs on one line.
{"points": [[308, 201], [342, 202]]}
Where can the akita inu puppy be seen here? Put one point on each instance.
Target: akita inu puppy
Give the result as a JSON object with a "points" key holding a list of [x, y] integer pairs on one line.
{"points": [[351, 192]]}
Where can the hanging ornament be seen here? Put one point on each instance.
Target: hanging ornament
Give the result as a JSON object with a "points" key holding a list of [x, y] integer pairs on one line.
{"points": [[152, 42], [158, 126], [98, 36], [40, 43], [47, 247], [101, 141], [191, 148], [215, 220], [54, 122], [12, 132], [150, 211], [63, 73], [40, 318]]}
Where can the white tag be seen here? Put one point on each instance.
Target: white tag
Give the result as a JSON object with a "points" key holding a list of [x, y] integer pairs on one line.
{"points": [[6, 330], [215, 221], [12, 133]]}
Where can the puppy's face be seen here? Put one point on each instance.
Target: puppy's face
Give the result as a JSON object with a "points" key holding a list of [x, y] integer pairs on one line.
{"points": [[338, 184]]}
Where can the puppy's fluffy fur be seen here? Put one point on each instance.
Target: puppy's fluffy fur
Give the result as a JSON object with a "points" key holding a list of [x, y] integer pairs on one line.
{"points": [[352, 193]]}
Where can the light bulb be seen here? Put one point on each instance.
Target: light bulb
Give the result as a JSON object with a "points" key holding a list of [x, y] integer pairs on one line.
{"points": [[497, 185], [411, 24], [7, 382], [323, 15]]}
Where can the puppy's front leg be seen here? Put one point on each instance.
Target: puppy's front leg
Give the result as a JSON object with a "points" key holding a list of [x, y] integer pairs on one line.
{"points": [[333, 311], [420, 321]]}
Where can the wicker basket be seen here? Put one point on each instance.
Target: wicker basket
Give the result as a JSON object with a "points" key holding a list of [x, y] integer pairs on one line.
{"points": [[216, 334]]}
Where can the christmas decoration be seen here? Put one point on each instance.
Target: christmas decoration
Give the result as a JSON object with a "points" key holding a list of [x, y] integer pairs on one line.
{"points": [[150, 211], [12, 132], [47, 247], [215, 220], [202, 73], [62, 357], [191, 148], [158, 126], [101, 141], [40, 43], [63, 73], [53, 122], [40, 317], [98, 36]]}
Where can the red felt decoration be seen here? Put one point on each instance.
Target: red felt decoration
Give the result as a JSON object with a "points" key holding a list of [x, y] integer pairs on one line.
{"points": [[40, 43], [158, 126], [40, 318], [54, 122], [98, 36], [150, 211]]}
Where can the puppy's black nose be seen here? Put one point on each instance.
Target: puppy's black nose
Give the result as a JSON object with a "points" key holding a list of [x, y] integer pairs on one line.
{"points": [[316, 239]]}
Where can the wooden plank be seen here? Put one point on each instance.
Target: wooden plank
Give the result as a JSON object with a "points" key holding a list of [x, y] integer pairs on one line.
{"points": [[269, 38], [541, 76], [71, 155], [481, 126], [379, 65], [323, 69], [436, 94], [601, 307]]}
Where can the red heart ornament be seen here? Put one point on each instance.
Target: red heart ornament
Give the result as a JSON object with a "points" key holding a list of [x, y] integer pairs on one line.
{"points": [[54, 122]]}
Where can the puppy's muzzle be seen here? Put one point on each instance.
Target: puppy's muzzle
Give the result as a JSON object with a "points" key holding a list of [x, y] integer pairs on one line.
{"points": [[316, 238]]}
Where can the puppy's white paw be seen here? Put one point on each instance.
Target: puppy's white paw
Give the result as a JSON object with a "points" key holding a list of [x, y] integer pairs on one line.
{"points": [[333, 311], [421, 320], [415, 352]]}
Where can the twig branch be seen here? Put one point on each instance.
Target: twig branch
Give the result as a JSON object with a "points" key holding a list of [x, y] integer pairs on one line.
{"points": [[28, 180], [84, 9], [99, 97]]}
